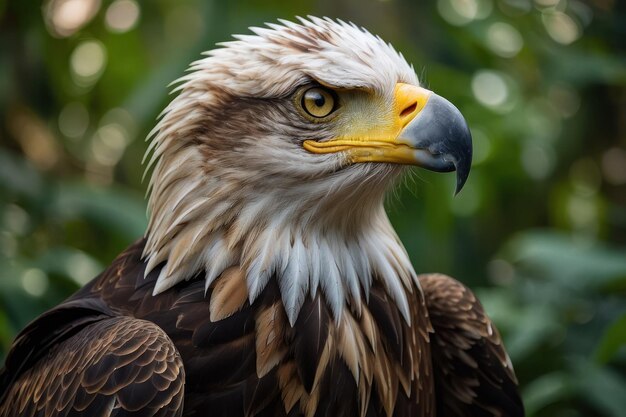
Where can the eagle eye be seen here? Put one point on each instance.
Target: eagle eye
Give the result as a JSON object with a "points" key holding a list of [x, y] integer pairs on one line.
{"points": [[318, 102]]}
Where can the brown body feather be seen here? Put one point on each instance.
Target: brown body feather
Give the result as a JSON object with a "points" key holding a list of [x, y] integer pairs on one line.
{"points": [[114, 349]]}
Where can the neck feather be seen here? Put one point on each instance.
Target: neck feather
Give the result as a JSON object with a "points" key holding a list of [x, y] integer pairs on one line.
{"points": [[310, 232], [309, 240]]}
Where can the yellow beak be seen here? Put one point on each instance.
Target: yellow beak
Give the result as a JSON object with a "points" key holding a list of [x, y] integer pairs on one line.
{"points": [[425, 130]]}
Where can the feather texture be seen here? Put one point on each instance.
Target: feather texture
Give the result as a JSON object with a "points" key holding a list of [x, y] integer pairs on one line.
{"points": [[475, 375], [115, 365], [270, 281], [232, 186], [242, 359], [229, 294]]}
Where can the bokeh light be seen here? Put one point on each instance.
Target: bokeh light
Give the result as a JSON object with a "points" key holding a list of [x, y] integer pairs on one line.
{"points": [[491, 89], [35, 282], [504, 40], [80, 267], [565, 99], [122, 16], [87, 62], [462, 12], [34, 137], [614, 166], [583, 214], [73, 120], [124, 118], [537, 160], [108, 144], [15, 219], [65, 17], [561, 27], [500, 271]]}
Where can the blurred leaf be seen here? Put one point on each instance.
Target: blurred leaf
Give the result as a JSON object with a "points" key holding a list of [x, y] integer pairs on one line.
{"points": [[614, 339], [534, 327], [602, 387], [18, 176], [576, 265], [546, 390], [111, 208], [19, 307], [593, 66], [527, 326], [69, 262]]}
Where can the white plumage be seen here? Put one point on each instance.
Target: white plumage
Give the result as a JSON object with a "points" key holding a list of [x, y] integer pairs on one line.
{"points": [[260, 200]]}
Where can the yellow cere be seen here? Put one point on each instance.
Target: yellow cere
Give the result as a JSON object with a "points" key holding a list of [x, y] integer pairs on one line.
{"points": [[374, 139]]}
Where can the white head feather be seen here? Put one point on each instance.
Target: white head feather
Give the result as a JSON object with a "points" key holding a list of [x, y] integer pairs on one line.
{"points": [[232, 184]]}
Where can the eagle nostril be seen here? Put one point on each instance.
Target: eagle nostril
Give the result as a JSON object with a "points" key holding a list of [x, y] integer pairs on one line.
{"points": [[408, 110]]}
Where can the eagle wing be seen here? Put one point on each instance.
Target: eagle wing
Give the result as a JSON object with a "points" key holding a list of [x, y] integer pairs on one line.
{"points": [[79, 360], [473, 373]]}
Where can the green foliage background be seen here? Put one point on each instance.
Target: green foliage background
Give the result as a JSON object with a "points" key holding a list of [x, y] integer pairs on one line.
{"points": [[539, 232]]}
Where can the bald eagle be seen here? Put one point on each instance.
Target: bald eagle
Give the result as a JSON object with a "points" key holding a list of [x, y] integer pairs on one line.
{"points": [[270, 281]]}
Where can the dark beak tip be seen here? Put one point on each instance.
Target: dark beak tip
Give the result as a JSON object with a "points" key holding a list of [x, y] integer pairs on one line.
{"points": [[441, 131], [462, 167], [460, 182]]}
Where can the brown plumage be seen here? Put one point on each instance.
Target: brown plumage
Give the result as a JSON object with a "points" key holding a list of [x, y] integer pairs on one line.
{"points": [[474, 375], [270, 281], [100, 351]]}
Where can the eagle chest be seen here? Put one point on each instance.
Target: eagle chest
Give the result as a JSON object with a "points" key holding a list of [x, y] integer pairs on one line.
{"points": [[364, 362]]}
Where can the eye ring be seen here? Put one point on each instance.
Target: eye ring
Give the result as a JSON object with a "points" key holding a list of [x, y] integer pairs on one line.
{"points": [[318, 102]]}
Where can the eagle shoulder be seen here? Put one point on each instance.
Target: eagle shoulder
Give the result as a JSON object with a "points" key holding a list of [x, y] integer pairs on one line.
{"points": [[473, 373], [111, 366]]}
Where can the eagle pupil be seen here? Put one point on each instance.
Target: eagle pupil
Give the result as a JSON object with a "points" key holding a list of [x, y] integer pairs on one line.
{"points": [[318, 102]]}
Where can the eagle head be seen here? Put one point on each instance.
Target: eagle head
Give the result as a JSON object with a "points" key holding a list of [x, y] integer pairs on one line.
{"points": [[275, 157]]}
